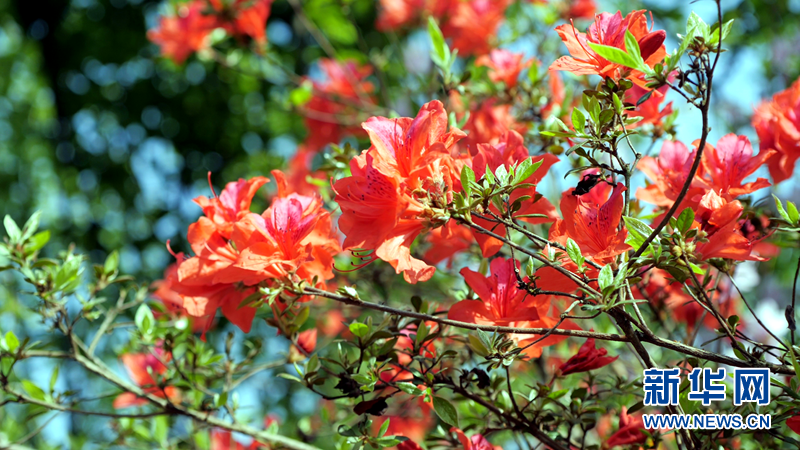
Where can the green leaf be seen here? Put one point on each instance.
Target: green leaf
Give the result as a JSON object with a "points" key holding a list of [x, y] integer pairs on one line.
{"points": [[11, 341], [302, 94], [697, 24], [782, 211], [53, 379], [440, 52], [574, 252], [726, 29], [12, 229], [606, 277], [794, 216], [632, 48], [31, 225], [446, 411], [578, 120], [422, 333], [615, 55], [37, 241], [33, 390], [467, 178], [408, 388], [685, 220], [359, 329], [477, 345], [795, 364], [384, 428], [525, 169], [112, 262], [144, 319], [638, 232]]}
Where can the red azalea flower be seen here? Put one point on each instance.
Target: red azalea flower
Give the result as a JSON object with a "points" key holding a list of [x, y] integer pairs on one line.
{"points": [[719, 219], [630, 431], [472, 23], [580, 9], [475, 442], [332, 101], [777, 123], [307, 340], [293, 237], [794, 423], [172, 300], [668, 172], [397, 186], [727, 165], [244, 18], [395, 14], [588, 358], [185, 33], [502, 303], [609, 29], [592, 221], [489, 122], [504, 66], [231, 204], [140, 366]]}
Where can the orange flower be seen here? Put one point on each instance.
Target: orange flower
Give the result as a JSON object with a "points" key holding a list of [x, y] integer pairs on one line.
{"points": [[244, 18], [502, 303], [407, 445], [307, 340], [488, 123], [201, 278], [299, 173], [181, 35], [137, 365], [294, 235], [476, 442], [471, 23], [509, 151], [609, 29], [580, 9], [331, 323], [331, 102], [727, 165], [669, 171], [293, 238], [173, 301], [660, 289], [231, 204], [592, 221], [504, 66], [398, 188], [223, 440], [394, 14], [588, 358], [629, 432], [777, 123], [719, 219], [412, 420], [447, 241], [756, 229]]}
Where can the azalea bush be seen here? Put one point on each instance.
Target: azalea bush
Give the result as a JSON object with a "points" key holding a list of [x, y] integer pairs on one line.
{"points": [[485, 245]]}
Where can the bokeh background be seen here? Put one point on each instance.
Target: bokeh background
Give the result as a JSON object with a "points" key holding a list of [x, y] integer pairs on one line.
{"points": [[112, 142]]}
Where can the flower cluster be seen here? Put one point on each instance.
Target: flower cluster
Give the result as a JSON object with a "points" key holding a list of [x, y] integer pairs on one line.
{"points": [[187, 32], [237, 251]]}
